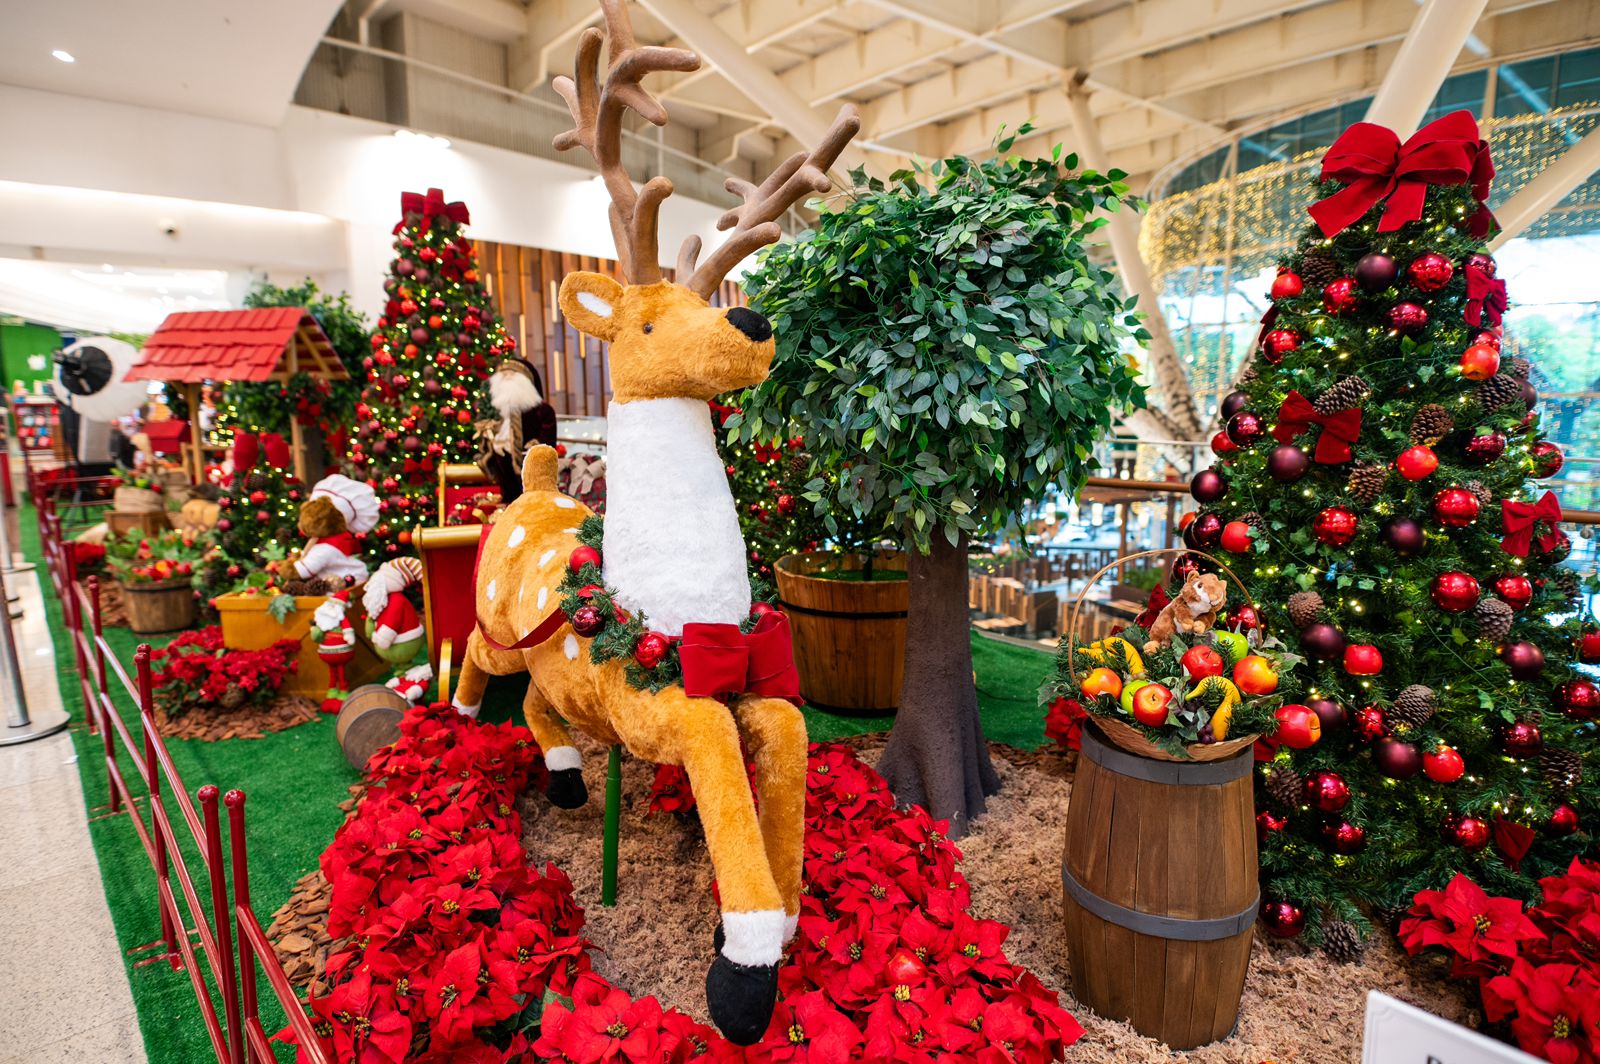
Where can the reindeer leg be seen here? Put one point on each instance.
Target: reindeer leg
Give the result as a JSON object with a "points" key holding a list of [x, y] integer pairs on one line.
{"points": [[774, 731], [566, 789], [469, 688]]}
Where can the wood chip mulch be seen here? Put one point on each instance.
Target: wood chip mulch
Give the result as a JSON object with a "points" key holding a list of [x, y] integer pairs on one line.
{"points": [[299, 929], [113, 608], [214, 724]]}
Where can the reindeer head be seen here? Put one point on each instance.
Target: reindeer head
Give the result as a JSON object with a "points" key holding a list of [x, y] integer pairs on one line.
{"points": [[667, 341]]}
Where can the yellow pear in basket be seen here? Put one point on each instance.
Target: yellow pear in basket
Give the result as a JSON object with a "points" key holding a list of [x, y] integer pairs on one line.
{"points": [[1100, 649]]}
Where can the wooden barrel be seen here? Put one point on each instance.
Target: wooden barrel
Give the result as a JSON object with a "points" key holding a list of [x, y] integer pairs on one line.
{"points": [[1160, 883], [165, 606], [370, 718], [849, 635]]}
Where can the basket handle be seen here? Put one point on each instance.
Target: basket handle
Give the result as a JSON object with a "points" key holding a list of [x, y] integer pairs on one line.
{"points": [[1118, 563]]}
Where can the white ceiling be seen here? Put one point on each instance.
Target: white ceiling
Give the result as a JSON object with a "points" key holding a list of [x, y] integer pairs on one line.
{"points": [[236, 59]]}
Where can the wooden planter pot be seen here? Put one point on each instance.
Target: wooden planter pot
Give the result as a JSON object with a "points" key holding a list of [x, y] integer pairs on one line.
{"points": [[246, 625], [1160, 882], [849, 635], [165, 606]]}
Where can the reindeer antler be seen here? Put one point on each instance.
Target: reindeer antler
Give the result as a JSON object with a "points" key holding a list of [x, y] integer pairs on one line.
{"points": [[754, 224], [597, 118]]}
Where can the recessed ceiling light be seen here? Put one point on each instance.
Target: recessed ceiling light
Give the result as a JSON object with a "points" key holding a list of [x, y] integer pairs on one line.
{"points": [[64, 55], [422, 138]]}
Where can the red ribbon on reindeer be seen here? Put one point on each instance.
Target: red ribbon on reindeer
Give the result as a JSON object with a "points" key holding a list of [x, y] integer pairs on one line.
{"points": [[1486, 297], [718, 659], [1520, 521], [1375, 166], [430, 205], [1339, 430]]}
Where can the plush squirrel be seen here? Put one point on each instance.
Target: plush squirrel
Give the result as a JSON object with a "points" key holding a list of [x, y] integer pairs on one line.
{"points": [[517, 395], [392, 622], [1192, 612], [336, 645], [339, 510]]}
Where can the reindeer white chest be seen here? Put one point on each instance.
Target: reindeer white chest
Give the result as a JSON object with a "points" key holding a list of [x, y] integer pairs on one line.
{"points": [[672, 543]]}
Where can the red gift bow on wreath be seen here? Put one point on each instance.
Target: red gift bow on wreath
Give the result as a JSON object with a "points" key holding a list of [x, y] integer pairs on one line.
{"points": [[1339, 430], [1485, 296], [430, 205], [1520, 519], [718, 659], [1375, 166]]}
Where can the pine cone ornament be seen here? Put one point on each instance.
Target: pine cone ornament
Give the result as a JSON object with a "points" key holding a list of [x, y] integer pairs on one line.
{"points": [[256, 482], [1367, 480], [1562, 770], [1431, 424], [1249, 374], [1414, 705], [1341, 941], [1283, 785], [1484, 496], [1569, 585], [1345, 393], [1318, 268], [1304, 607], [1519, 368], [1499, 390], [1494, 619], [1253, 519]]}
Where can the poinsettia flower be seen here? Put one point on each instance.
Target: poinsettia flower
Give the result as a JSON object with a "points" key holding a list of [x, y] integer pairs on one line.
{"points": [[1483, 933], [1554, 1009], [366, 1025], [1063, 722], [603, 1024], [808, 1028]]}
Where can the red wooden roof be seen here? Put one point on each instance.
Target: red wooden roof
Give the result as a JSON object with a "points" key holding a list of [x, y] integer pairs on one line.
{"points": [[237, 345]]}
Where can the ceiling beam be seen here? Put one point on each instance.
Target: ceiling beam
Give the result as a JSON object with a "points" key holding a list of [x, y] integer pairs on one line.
{"points": [[1427, 52], [549, 25], [755, 26]]}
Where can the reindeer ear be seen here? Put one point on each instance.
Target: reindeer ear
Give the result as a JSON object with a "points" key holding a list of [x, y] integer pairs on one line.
{"points": [[590, 301]]}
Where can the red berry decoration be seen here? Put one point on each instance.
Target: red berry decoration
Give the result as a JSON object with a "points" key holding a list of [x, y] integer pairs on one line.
{"points": [[1481, 450], [1455, 507], [650, 649], [1563, 820], [1243, 618], [1363, 659], [1578, 699], [1514, 589], [1443, 765], [1521, 738], [1325, 791], [1277, 343], [1282, 919], [582, 556], [1454, 591], [1344, 838], [1467, 832], [1268, 824], [1589, 646], [1335, 526], [1430, 272], [1547, 459], [587, 621], [1208, 486], [1416, 463], [1246, 427], [1397, 760], [1339, 297], [1376, 271], [1525, 660], [1221, 445], [1480, 362], [1407, 319], [1236, 537], [1287, 284]]}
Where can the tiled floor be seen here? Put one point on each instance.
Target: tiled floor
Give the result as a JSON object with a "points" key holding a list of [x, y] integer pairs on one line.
{"points": [[63, 990]]}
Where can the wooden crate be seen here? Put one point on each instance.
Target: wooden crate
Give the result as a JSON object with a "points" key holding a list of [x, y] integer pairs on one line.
{"points": [[246, 625]]}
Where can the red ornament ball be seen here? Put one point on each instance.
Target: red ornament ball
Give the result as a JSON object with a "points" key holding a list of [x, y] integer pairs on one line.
{"points": [[1363, 659], [1408, 319], [1277, 343], [1525, 660], [1480, 362], [1547, 459], [1521, 738], [1335, 526], [1246, 427], [1268, 824], [1578, 699], [1221, 445], [1481, 450], [761, 609], [1514, 589], [1589, 646], [1205, 530], [1325, 791], [1344, 838], [1443, 765], [1243, 618], [1397, 760], [1563, 820], [1322, 641], [1455, 507], [1287, 463], [1208, 486], [581, 556], [587, 621], [1339, 297], [1454, 591], [1467, 832], [1416, 463], [650, 649], [1430, 272], [1282, 919], [786, 504], [1236, 537], [1287, 284], [1481, 263]]}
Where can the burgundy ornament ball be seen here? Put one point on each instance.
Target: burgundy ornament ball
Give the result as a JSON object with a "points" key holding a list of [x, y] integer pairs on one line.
{"points": [[1344, 838], [1481, 450], [1335, 526], [1339, 297], [1525, 660], [1530, 395], [1331, 714], [404, 267], [1206, 530], [1185, 565], [1207, 486], [1482, 263], [1521, 738], [1403, 536], [1408, 319], [1246, 427], [1376, 271], [1231, 404], [1430, 272], [1325, 791], [1578, 699], [1455, 507], [1397, 760], [1514, 589], [1563, 820], [1287, 463], [1467, 832], [1282, 919], [1368, 724], [1547, 459], [1560, 549], [1277, 343], [587, 621], [1454, 591], [1322, 641], [1287, 284], [420, 335]]}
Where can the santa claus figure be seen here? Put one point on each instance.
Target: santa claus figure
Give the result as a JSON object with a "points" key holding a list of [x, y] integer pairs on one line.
{"points": [[524, 419], [392, 622], [336, 645], [339, 510], [412, 684]]}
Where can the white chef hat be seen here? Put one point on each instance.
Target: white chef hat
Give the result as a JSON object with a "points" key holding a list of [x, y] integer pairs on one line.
{"points": [[352, 498]]}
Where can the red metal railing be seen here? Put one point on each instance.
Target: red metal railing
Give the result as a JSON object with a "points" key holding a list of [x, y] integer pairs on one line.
{"points": [[236, 1034]]}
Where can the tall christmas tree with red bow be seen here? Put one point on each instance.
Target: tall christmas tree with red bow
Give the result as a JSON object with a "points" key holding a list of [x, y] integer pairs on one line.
{"points": [[437, 340], [1376, 485]]}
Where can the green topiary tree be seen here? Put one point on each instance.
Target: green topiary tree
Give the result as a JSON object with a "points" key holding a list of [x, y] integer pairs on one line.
{"points": [[951, 352]]}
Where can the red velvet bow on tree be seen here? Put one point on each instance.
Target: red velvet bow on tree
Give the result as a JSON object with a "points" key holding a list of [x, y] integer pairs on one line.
{"points": [[1373, 165], [248, 448], [1521, 519], [1339, 430], [431, 205], [718, 659], [1486, 297]]}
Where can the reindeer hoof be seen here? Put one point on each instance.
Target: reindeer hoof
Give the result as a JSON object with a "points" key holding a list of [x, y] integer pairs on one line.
{"points": [[741, 998], [566, 789]]}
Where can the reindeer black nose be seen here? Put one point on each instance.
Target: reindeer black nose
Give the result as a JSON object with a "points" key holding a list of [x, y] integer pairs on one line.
{"points": [[750, 323]]}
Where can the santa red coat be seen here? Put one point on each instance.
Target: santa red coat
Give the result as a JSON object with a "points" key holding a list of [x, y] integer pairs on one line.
{"points": [[397, 622]]}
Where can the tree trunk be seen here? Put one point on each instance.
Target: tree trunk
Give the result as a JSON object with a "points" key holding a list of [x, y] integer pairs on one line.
{"points": [[937, 757]]}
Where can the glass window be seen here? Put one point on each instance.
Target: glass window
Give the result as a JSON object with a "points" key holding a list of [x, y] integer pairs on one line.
{"points": [[1525, 88], [1579, 78]]}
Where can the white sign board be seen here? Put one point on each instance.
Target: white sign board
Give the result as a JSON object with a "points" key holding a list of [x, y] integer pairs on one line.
{"points": [[1398, 1033]]}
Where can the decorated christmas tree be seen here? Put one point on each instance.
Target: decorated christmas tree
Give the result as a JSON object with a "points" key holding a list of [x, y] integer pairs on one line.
{"points": [[258, 507], [1377, 489], [769, 484], [437, 340]]}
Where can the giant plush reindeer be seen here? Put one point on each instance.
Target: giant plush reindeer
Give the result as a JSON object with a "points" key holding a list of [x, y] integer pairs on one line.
{"points": [[672, 548]]}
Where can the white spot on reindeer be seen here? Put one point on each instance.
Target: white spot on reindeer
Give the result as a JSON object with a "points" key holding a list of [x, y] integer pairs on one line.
{"points": [[544, 559], [564, 502], [490, 590], [518, 534], [569, 531], [570, 647], [544, 593]]}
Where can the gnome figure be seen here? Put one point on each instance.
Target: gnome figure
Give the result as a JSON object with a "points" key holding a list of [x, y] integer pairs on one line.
{"points": [[412, 684], [336, 645], [392, 622], [517, 395]]}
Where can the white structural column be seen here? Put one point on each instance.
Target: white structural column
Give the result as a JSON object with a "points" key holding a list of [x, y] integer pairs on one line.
{"points": [[1123, 232], [1549, 188], [807, 124], [1426, 55]]}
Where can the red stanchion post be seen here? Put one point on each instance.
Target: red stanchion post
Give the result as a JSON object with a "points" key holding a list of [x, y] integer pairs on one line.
{"points": [[141, 663], [217, 871], [241, 903], [94, 711]]}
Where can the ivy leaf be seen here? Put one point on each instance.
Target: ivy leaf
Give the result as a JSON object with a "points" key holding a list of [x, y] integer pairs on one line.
{"points": [[281, 607]]}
